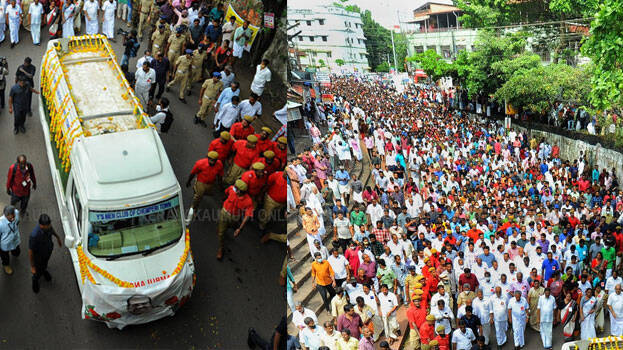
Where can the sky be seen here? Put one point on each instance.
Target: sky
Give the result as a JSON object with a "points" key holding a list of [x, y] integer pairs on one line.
{"points": [[383, 11]]}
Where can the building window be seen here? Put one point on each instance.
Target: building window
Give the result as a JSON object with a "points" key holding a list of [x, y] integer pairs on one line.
{"points": [[311, 38], [324, 38], [308, 23], [300, 38], [363, 56], [418, 49], [460, 48], [545, 56], [345, 24], [321, 22], [445, 51], [328, 54]]}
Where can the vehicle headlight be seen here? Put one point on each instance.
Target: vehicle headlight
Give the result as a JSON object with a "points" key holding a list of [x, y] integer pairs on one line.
{"points": [[139, 304]]}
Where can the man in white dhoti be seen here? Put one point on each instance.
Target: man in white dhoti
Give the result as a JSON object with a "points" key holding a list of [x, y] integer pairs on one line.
{"points": [[498, 316], [108, 19], [518, 313], [68, 18], [35, 13], [545, 312], [482, 310], [14, 19], [3, 6], [91, 9], [615, 306], [587, 315]]}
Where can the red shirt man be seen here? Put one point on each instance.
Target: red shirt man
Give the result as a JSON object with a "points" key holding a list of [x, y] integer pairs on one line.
{"points": [[276, 187], [206, 172], [255, 179], [280, 149], [222, 145], [20, 178], [241, 130], [264, 143], [271, 164], [246, 152], [427, 330]]}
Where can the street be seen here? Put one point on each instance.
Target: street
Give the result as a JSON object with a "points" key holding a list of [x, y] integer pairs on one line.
{"points": [[230, 296]]}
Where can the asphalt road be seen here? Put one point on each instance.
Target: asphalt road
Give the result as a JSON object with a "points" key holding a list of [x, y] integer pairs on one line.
{"points": [[230, 296]]}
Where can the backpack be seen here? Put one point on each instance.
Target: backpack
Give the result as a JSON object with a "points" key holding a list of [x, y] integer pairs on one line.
{"points": [[13, 167], [168, 120]]}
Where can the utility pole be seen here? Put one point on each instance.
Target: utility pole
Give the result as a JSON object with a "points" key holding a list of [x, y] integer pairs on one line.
{"points": [[394, 50]]}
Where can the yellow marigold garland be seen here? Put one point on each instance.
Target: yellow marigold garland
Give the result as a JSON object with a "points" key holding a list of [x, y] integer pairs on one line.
{"points": [[85, 263]]}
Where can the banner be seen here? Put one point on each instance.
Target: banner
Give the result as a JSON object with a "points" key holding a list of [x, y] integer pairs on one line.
{"points": [[327, 97], [239, 21]]}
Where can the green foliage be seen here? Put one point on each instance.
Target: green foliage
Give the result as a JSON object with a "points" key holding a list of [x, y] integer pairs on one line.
{"points": [[605, 48], [505, 68], [490, 48], [536, 89], [379, 42], [340, 62], [383, 67], [431, 63], [321, 62]]}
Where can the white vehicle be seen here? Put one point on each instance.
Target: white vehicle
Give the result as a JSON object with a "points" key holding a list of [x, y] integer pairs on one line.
{"points": [[118, 197]]}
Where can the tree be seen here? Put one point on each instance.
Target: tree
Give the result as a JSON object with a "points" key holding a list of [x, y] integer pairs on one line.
{"points": [[480, 78], [431, 63], [340, 62], [383, 67], [536, 89], [605, 48], [321, 62]]}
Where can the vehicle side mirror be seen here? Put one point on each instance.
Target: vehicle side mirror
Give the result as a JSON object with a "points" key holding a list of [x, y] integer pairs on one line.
{"points": [[69, 241]]}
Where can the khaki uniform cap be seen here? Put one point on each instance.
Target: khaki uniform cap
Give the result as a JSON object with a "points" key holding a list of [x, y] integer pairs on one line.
{"points": [[248, 118], [241, 185], [269, 154], [282, 140], [267, 129], [213, 155], [258, 166], [225, 135], [252, 138]]}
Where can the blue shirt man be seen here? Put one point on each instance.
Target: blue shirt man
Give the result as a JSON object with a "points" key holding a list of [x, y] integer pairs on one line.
{"points": [[226, 96], [549, 266], [342, 177], [487, 257]]}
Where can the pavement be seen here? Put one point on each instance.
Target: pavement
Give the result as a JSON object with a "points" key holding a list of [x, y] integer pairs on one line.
{"points": [[241, 291]]}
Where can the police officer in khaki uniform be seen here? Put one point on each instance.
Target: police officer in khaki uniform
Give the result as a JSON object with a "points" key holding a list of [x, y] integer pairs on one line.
{"points": [[199, 57], [237, 205], [159, 39], [181, 67], [210, 90], [176, 43], [152, 20], [144, 9]]}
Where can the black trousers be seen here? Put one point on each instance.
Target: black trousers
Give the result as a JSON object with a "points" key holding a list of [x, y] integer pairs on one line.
{"points": [[160, 84], [343, 243], [1, 98], [326, 293], [5, 255], [20, 117], [23, 202], [41, 265]]}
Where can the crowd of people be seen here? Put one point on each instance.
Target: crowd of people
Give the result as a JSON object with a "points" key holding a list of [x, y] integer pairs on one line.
{"points": [[475, 229]]}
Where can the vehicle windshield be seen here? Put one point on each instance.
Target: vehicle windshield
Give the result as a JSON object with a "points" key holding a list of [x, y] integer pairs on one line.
{"points": [[131, 231]]}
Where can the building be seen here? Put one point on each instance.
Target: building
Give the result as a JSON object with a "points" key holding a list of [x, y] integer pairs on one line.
{"points": [[436, 26], [329, 36]]}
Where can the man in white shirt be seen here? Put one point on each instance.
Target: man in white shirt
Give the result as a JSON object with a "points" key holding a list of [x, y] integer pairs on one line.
{"points": [[161, 113], [545, 312], [300, 314], [388, 304], [440, 295], [262, 76], [90, 10], [145, 78], [35, 12], [228, 31], [612, 281], [339, 264], [227, 76], [518, 313], [463, 337], [146, 58], [615, 306], [443, 315], [498, 315], [227, 115], [251, 106], [482, 307]]}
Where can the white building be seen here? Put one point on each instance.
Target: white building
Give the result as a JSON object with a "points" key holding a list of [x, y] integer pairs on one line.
{"points": [[329, 34], [436, 26]]}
